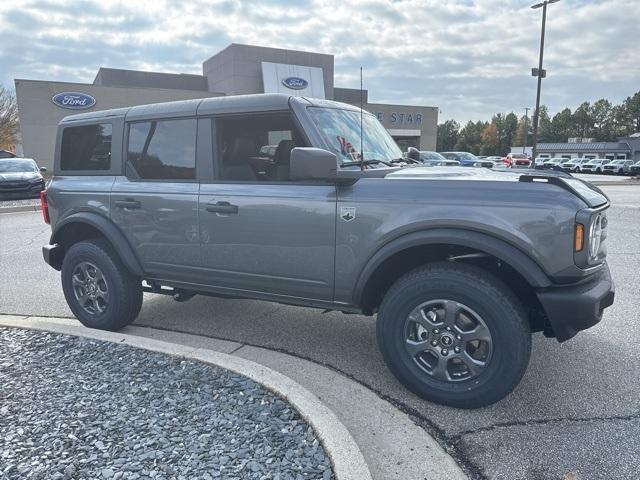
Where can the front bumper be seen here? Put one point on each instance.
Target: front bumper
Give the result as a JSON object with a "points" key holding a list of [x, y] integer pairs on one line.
{"points": [[573, 308], [21, 190], [53, 255]]}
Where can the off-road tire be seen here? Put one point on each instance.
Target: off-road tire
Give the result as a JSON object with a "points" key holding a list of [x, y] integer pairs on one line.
{"points": [[125, 290], [483, 292]]}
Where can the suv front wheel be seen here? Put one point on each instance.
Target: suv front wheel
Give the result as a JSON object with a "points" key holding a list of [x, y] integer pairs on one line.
{"points": [[99, 290], [454, 334]]}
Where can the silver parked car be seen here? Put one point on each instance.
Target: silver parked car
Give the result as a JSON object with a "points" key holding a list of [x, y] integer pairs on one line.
{"points": [[434, 158], [618, 167]]}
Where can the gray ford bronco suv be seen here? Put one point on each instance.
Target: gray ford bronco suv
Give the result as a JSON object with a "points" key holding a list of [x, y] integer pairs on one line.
{"points": [[460, 265]]}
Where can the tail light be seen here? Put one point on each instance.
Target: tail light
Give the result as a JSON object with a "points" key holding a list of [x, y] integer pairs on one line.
{"points": [[45, 207]]}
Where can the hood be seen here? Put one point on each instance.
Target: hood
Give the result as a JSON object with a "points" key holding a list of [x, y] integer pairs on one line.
{"points": [[8, 176], [589, 193]]}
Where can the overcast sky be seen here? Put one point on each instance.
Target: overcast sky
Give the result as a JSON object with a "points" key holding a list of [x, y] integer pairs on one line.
{"points": [[469, 58]]}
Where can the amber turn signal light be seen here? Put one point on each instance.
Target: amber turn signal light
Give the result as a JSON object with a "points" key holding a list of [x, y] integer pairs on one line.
{"points": [[579, 237]]}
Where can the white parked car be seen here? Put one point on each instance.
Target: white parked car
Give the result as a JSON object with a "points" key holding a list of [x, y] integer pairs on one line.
{"points": [[550, 163], [574, 165], [594, 166]]}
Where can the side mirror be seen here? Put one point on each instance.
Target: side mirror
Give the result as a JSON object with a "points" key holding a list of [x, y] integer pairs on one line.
{"points": [[413, 154], [43, 169], [308, 163]]}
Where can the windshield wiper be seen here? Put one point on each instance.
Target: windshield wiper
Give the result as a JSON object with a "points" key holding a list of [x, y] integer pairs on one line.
{"points": [[365, 162], [404, 160]]}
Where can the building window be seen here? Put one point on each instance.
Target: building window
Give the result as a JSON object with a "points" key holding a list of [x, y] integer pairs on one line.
{"points": [[621, 156], [162, 150], [86, 148]]}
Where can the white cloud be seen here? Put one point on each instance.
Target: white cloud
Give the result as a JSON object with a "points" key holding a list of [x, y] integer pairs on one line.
{"points": [[469, 58]]}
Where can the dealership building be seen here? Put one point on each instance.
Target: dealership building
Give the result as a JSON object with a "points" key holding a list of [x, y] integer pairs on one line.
{"points": [[236, 70]]}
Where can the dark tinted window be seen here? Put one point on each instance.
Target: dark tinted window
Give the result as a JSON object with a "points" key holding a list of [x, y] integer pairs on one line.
{"points": [[162, 150], [86, 148]]}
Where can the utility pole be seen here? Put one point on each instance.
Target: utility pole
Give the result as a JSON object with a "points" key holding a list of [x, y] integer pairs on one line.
{"points": [[540, 73]]}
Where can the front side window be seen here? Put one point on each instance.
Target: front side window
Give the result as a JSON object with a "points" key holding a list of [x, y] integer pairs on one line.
{"points": [[162, 150], [256, 147], [87, 147], [341, 131]]}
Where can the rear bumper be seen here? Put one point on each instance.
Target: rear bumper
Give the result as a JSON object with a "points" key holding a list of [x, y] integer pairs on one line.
{"points": [[53, 255], [573, 308]]}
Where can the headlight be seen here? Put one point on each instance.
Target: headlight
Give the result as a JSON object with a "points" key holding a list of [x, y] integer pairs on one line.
{"points": [[595, 236]]}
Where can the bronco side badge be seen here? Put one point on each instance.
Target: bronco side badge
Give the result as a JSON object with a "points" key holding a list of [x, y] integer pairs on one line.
{"points": [[347, 213]]}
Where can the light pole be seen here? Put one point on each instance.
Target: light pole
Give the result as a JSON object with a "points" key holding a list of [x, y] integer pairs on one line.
{"points": [[540, 73], [526, 129]]}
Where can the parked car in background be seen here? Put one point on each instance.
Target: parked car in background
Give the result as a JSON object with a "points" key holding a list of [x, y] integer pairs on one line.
{"points": [[539, 162], [518, 160], [554, 163], [496, 159], [20, 178], [635, 168], [268, 150], [573, 165], [618, 167], [467, 159], [435, 159], [594, 166]]}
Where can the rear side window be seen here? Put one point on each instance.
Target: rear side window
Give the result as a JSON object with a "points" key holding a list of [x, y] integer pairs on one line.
{"points": [[162, 150], [87, 147]]}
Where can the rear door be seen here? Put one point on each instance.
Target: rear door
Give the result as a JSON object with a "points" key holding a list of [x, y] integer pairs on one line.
{"points": [[260, 231], [155, 202]]}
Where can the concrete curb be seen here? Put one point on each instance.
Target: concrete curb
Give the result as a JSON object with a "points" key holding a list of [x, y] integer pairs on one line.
{"points": [[626, 183], [20, 208], [346, 458]]}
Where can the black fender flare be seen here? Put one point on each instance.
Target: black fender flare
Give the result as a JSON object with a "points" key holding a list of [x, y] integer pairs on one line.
{"points": [[501, 249], [109, 231]]}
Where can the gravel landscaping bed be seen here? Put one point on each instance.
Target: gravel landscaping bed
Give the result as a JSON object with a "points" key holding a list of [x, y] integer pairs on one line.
{"points": [[74, 408], [18, 203]]}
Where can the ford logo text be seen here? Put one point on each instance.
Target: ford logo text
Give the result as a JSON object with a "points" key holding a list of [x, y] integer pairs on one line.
{"points": [[73, 100], [295, 83]]}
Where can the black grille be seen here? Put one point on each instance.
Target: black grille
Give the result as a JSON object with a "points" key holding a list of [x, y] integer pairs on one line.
{"points": [[14, 185]]}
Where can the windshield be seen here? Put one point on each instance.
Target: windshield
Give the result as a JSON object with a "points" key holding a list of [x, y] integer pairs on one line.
{"points": [[467, 156], [518, 155], [341, 131], [16, 166], [431, 156]]}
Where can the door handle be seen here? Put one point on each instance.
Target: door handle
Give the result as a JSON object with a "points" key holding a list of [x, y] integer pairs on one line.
{"points": [[222, 207], [128, 203]]}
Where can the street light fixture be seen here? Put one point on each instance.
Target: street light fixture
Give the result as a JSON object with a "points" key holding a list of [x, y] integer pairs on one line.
{"points": [[540, 73]]}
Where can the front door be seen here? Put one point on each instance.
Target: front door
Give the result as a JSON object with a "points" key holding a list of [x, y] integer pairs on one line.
{"points": [[156, 202], [259, 231]]}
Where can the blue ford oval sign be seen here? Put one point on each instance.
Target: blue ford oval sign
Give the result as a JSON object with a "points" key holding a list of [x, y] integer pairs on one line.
{"points": [[295, 83], [73, 100]]}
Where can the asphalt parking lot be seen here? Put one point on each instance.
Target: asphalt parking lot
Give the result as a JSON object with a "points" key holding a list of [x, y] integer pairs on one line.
{"points": [[577, 410]]}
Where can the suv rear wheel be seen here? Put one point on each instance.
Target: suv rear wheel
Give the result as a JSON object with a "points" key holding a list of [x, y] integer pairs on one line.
{"points": [[454, 334], [99, 289]]}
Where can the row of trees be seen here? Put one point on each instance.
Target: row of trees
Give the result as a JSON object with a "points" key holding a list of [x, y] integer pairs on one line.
{"points": [[600, 120], [8, 118]]}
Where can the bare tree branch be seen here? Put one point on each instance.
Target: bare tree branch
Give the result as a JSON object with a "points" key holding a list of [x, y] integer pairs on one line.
{"points": [[8, 118]]}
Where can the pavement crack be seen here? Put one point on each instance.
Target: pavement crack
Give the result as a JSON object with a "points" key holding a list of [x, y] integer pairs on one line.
{"points": [[236, 349], [545, 421]]}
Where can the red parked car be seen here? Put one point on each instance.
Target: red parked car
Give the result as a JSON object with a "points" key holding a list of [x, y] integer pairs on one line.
{"points": [[520, 160]]}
